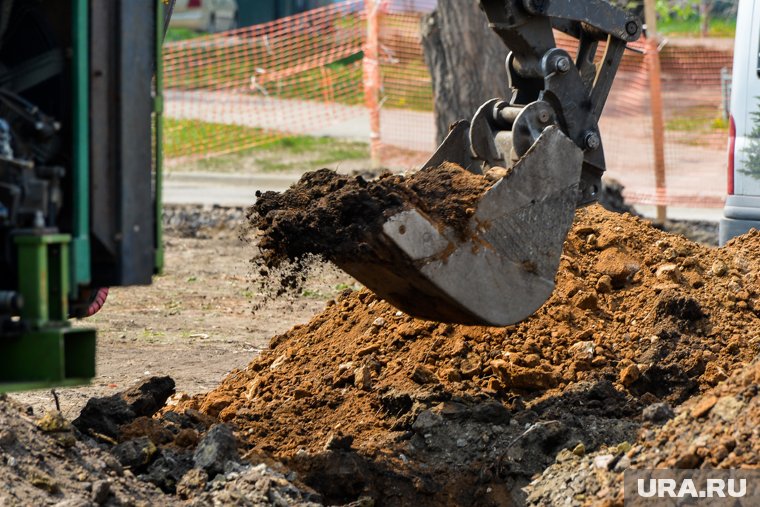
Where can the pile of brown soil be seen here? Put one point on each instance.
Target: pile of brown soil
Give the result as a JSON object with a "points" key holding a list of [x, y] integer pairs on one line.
{"points": [[333, 215], [365, 400]]}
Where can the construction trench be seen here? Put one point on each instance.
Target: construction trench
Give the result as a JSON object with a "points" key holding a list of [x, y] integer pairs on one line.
{"points": [[643, 357]]}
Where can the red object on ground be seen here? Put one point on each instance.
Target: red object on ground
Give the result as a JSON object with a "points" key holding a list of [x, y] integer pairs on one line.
{"points": [[98, 301], [731, 154]]}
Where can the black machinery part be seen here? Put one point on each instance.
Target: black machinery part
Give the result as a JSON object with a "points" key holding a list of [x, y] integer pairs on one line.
{"points": [[549, 86]]}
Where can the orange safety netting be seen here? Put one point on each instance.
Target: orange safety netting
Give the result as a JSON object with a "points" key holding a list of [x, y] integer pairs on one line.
{"points": [[244, 88], [303, 75]]}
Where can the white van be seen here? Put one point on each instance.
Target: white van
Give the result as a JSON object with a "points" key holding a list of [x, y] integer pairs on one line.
{"points": [[742, 211]]}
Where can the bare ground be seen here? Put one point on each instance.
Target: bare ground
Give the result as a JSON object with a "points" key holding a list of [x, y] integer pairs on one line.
{"points": [[195, 323]]}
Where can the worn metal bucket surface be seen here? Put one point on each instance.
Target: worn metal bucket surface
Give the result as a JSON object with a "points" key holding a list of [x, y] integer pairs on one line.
{"points": [[504, 270]]}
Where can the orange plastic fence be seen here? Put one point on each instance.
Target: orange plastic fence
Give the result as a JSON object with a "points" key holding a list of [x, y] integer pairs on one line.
{"points": [[303, 75], [236, 90]]}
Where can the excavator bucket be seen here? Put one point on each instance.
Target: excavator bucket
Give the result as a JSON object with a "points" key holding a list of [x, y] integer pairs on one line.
{"points": [[545, 137], [504, 269]]}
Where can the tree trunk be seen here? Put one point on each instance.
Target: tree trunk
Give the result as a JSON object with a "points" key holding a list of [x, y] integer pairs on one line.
{"points": [[705, 6], [466, 61]]}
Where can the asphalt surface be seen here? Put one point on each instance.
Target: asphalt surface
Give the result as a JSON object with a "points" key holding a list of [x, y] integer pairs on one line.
{"points": [[221, 189]]}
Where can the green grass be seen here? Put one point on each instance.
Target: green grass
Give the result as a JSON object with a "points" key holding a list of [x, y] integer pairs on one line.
{"points": [[208, 64], [312, 294], [697, 120], [307, 153], [270, 152], [182, 137], [697, 126], [343, 286], [177, 34], [407, 85], [691, 27]]}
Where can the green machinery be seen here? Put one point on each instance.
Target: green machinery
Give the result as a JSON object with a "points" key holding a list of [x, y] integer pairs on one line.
{"points": [[80, 174]]}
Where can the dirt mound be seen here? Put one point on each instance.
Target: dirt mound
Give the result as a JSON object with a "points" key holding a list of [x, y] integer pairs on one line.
{"points": [[718, 429], [369, 399]]}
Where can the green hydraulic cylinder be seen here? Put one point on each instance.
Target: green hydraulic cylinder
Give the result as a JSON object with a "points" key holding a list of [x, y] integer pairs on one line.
{"points": [[46, 351], [43, 277], [80, 245], [158, 113]]}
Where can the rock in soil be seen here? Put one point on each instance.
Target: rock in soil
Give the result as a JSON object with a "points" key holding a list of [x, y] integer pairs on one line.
{"points": [[104, 416], [168, 469], [216, 449], [36, 468], [658, 413], [135, 454], [257, 485], [571, 374]]}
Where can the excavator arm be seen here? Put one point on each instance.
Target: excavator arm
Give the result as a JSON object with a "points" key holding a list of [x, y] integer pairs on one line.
{"points": [[549, 87], [546, 139]]}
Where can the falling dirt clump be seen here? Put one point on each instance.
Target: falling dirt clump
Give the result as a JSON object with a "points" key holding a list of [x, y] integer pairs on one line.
{"points": [[367, 401], [332, 215]]}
